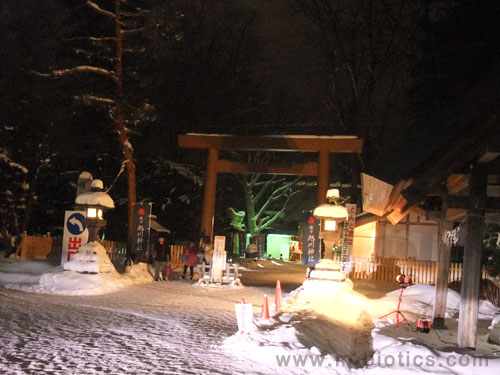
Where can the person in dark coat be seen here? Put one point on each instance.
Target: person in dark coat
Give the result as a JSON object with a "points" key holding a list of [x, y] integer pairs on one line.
{"points": [[190, 258], [162, 258]]}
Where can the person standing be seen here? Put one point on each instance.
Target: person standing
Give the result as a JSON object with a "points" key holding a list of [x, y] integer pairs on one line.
{"points": [[189, 257], [205, 249], [251, 250], [162, 258]]}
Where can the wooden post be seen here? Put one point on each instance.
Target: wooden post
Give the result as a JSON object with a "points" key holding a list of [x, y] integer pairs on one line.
{"points": [[471, 275], [323, 176], [442, 270], [207, 219]]}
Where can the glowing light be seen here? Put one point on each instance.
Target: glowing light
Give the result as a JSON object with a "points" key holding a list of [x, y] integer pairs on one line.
{"points": [[373, 234], [92, 212], [330, 225]]}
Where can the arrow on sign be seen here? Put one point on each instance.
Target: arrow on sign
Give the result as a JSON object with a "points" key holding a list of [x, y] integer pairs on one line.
{"points": [[75, 221]]}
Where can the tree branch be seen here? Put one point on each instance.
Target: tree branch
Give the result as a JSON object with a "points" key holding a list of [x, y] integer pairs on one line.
{"points": [[92, 39], [92, 99], [264, 188], [79, 69], [277, 194], [253, 181], [139, 13], [133, 31], [99, 10], [266, 222]]}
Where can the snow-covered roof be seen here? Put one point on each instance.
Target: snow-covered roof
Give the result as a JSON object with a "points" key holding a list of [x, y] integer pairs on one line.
{"points": [[96, 198], [85, 175], [283, 136], [330, 211], [158, 227]]}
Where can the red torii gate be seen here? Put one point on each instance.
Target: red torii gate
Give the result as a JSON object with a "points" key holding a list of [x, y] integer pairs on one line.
{"points": [[323, 145]]}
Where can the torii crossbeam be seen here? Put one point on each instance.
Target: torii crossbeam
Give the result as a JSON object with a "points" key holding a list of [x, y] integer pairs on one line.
{"points": [[323, 145]]}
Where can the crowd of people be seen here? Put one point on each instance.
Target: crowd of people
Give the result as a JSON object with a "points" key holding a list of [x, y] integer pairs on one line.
{"points": [[192, 254]]}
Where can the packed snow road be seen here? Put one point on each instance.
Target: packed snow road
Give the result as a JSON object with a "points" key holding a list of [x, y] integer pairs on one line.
{"points": [[154, 328]]}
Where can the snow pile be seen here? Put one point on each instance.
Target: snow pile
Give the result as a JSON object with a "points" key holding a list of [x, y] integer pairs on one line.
{"points": [[419, 299], [90, 258], [95, 198], [336, 301]]}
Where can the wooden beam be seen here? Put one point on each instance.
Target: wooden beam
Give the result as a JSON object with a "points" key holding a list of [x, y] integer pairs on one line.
{"points": [[456, 183], [442, 270], [462, 202], [323, 176], [454, 214], [304, 169], [471, 274], [304, 143], [207, 219]]}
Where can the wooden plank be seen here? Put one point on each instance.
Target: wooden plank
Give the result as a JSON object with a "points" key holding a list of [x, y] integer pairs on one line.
{"points": [[442, 273], [344, 144], [375, 194], [471, 278]]}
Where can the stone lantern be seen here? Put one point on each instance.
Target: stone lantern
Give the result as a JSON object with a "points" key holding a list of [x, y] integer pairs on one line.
{"points": [[95, 202], [331, 215]]}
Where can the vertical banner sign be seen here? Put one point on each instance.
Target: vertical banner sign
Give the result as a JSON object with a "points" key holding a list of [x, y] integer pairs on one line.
{"points": [[75, 234], [219, 258], [348, 237], [140, 234], [310, 239]]}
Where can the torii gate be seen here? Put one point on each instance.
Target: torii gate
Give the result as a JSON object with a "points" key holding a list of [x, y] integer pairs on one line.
{"points": [[323, 145]]}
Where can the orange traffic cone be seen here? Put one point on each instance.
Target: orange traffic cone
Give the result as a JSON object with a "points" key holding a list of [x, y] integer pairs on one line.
{"points": [[242, 301], [278, 297], [265, 309]]}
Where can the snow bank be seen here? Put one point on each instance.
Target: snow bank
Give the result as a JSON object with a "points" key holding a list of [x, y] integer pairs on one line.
{"points": [[75, 283], [15, 271], [419, 299], [281, 342], [40, 277]]}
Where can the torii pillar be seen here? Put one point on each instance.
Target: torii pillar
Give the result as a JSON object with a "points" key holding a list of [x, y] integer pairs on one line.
{"points": [[323, 145], [207, 219]]}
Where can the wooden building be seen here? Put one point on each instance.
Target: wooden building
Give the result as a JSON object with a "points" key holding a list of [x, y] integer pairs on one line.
{"points": [[452, 188]]}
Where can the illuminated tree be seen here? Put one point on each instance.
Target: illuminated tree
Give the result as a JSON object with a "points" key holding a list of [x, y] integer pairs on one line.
{"points": [[266, 199]]}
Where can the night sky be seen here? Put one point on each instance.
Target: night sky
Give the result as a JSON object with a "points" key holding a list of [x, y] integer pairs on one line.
{"points": [[405, 77]]}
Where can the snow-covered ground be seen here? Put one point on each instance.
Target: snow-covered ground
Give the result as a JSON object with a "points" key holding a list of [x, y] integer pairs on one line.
{"points": [[177, 327]]}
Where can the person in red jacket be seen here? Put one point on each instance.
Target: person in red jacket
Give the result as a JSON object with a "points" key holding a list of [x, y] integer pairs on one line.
{"points": [[189, 258]]}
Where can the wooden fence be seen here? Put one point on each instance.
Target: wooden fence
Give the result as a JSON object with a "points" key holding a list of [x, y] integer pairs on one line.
{"points": [[378, 269], [115, 250], [38, 247], [176, 255], [118, 251], [387, 269], [34, 247]]}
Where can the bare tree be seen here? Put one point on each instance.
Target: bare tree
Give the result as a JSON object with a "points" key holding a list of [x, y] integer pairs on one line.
{"points": [[106, 55], [263, 194]]}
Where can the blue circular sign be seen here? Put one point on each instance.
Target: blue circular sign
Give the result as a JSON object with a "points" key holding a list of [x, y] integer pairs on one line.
{"points": [[76, 224]]}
